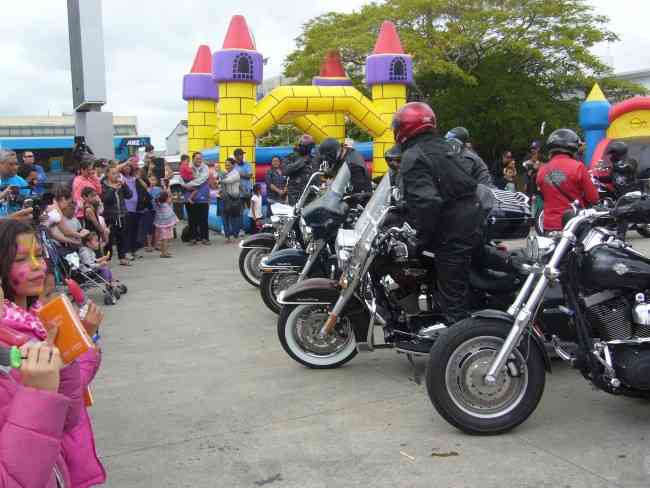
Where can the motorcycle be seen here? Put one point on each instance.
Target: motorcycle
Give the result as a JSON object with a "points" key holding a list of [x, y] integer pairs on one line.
{"points": [[384, 282], [319, 223], [487, 374], [283, 232]]}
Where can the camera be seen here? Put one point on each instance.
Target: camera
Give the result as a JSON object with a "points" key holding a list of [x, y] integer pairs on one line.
{"points": [[16, 200]]}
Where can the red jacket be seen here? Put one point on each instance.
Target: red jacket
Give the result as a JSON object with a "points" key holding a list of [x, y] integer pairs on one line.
{"points": [[575, 183]]}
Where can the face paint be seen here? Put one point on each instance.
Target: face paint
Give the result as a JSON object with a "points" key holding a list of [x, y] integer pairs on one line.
{"points": [[27, 272]]}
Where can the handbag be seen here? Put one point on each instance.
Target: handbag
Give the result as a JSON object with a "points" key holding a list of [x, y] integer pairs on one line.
{"points": [[231, 205]]}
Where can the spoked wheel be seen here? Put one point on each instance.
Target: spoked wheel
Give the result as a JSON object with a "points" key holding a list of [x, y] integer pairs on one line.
{"points": [[249, 264], [272, 284], [298, 330], [457, 366]]}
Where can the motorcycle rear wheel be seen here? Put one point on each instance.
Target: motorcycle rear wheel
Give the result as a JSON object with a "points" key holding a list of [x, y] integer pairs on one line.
{"points": [[249, 264], [457, 363], [298, 326]]}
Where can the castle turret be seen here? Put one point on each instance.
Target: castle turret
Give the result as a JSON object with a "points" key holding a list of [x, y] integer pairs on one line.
{"points": [[201, 95], [237, 68], [332, 73], [388, 72], [594, 120]]}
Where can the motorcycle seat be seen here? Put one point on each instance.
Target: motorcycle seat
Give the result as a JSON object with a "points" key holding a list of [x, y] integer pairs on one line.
{"points": [[493, 281]]}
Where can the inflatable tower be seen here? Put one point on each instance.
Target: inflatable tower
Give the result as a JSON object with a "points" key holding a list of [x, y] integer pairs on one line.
{"points": [[388, 72], [237, 68], [332, 73], [200, 93]]}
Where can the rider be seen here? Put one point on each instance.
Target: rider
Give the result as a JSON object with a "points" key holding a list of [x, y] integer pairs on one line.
{"points": [[623, 168], [334, 154], [441, 197], [459, 140], [563, 179], [299, 167]]}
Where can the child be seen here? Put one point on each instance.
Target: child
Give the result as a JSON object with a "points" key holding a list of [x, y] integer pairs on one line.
{"points": [[150, 214], [90, 261], [164, 223], [41, 402], [187, 174], [256, 208], [509, 174]]}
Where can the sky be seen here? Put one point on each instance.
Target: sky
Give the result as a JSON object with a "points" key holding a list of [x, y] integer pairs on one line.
{"points": [[150, 45]]}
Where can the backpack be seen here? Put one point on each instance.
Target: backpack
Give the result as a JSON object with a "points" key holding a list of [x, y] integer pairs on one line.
{"points": [[186, 234]]}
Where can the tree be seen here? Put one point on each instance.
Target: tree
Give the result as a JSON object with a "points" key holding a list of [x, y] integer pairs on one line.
{"points": [[498, 67]]}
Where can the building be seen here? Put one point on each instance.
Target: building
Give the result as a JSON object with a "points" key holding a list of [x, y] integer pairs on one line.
{"points": [[640, 77], [51, 138], [176, 141]]}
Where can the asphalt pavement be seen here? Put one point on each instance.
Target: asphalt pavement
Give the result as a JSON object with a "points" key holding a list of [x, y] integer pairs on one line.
{"points": [[195, 391]]}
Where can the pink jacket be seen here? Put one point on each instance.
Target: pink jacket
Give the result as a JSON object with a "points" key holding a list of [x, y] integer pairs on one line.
{"points": [[79, 443], [47, 425]]}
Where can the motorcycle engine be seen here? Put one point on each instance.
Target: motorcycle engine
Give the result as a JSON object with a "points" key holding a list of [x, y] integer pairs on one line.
{"points": [[615, 317]]}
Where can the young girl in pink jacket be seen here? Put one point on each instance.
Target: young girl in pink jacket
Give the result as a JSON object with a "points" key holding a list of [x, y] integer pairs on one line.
{"points": [[41, 403]]}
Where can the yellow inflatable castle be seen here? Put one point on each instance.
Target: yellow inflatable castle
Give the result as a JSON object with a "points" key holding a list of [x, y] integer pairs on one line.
{"points": [[223, 109]]}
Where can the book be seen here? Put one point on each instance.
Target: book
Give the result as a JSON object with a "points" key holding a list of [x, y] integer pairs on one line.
{"points": [[72, 340]]}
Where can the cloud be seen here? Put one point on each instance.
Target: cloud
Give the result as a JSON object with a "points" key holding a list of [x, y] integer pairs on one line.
{"points": [[150, 45]]}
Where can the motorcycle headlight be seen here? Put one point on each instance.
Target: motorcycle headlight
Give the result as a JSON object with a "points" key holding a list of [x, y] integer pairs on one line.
{"points": [[538, 247], [343, 257]]}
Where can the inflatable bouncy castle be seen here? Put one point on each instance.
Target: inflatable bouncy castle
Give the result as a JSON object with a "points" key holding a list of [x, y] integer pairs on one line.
{"points": [[224, 111], [603, 123]]}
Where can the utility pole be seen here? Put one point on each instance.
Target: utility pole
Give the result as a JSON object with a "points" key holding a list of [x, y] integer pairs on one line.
{"points": [[89, 77]]}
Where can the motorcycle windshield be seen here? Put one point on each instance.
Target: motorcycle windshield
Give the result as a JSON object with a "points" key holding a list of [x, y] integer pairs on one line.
{"points": [[367, 226], [341, 181]]}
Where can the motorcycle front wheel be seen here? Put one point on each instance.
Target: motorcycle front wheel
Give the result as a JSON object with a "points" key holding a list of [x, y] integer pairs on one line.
{"points": [[249, 264], [272, 284], [298, 331], [457, 365]]}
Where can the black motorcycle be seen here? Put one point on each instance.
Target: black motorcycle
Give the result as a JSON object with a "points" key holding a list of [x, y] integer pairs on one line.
{"points": [[284, 231], [318, 226], [384, 282], [486, 374]]}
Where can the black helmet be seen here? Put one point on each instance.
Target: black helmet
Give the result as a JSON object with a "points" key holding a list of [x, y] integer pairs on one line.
{"points": [[460, 133], [393, 155], [329, 150], [617, 150], [563, 141]]}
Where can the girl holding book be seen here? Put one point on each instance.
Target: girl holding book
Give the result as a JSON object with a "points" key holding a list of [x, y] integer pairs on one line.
{"points": [[41, 403]]}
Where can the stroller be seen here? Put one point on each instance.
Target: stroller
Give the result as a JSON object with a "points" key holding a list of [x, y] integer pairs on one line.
{"points": [[69, 266]]}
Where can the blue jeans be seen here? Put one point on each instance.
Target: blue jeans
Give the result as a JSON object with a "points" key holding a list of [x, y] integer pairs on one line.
{"points": [[231, 226]]}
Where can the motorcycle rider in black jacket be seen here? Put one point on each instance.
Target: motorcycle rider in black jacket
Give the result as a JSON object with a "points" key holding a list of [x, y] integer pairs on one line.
{"points": [[458, 137], [299, 167], [441, 198], [331, 151]]}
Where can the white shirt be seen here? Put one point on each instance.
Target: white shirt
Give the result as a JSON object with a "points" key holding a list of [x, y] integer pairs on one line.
{"points": [[256, 206]]}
